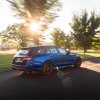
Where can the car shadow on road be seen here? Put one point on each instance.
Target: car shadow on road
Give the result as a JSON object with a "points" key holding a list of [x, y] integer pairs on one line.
{"points": [[78, 82]]}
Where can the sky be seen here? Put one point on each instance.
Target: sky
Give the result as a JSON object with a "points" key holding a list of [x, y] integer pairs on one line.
{"points": [[65, 15], [72, 6], [6, 15]]}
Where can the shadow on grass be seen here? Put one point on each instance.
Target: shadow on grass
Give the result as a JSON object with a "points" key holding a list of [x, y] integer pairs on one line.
{"points": [[93, 60]]}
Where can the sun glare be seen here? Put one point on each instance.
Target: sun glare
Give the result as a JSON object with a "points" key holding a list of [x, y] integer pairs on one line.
{"points": [[35, 26]]}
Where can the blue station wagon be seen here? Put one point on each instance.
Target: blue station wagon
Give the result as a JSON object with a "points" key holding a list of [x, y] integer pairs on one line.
{"points": [[44, 58]]}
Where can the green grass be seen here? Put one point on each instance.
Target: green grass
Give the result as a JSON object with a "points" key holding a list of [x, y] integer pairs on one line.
{"points": [[89, 54], [6, 60]]}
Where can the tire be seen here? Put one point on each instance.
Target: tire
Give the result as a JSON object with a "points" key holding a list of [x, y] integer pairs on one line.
{"points": [[78, 63], [47, 68]]}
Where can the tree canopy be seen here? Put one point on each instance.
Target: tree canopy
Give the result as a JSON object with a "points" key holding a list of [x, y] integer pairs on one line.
{"points": [[41, 12], [23, 36], [59, 38], [83, 28], [36, 10]]}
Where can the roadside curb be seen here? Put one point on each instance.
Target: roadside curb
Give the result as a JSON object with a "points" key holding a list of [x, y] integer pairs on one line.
{"points": [[5, 69]]}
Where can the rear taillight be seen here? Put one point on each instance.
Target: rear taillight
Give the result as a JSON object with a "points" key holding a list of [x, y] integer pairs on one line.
{"points": [[27, 58]]}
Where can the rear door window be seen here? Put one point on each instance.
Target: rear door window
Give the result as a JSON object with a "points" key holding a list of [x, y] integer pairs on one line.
{"points": [[48, 51], [37, 51]]}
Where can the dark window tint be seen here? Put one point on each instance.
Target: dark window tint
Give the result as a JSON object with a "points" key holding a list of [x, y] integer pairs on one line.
{"points": [[48, 51], [37, 51]]}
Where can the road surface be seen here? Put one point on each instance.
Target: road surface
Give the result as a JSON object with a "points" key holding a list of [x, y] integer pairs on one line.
{"points": [[65, 84]]}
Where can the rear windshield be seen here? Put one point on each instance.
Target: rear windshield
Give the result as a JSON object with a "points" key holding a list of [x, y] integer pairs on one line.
{"points": [[23, 52], [32, 51]]}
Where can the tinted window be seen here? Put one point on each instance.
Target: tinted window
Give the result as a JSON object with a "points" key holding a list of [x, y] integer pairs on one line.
{"points": [[53, 50], [62, 51], [48, 51], [37, 51]]}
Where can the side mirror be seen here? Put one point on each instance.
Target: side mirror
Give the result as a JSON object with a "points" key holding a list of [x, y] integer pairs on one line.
{"points": [[68, 52]]}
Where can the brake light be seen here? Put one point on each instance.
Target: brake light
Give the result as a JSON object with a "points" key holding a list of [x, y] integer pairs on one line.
{"points": [[27, 58]]}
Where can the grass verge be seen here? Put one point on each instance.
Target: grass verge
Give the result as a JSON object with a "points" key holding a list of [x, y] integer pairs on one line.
{"points": [[6, 58], [89, 54]]}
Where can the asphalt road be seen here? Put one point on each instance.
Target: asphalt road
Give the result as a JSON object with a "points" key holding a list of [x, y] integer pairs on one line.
{"points": [[66, 84]]}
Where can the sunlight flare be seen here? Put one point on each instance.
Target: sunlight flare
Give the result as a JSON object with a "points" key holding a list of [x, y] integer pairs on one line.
{"points": [[34, 26]]}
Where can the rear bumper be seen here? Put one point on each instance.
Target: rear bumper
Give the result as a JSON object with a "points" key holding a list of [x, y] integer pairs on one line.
{"points": [[24, 68], [19, 67]]}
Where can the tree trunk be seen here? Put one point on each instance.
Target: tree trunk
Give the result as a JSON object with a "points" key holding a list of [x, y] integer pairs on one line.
{"points": [[85, 51]]}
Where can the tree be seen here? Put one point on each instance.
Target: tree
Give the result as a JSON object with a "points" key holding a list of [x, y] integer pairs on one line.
{"points": [[4, 44], [69, 41], [22, 35], [75, 44], [41, 12], [96, 42], [36, 10], [56, 37], [16, 33], [61, 39], [83, 28], [7, 44]]}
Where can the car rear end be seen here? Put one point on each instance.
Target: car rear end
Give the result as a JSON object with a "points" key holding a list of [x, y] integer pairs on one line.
{"points": [[21, 59]]}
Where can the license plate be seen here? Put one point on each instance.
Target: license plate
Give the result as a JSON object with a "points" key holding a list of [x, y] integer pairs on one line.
{"points": [[18, 60]]}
